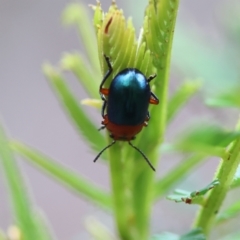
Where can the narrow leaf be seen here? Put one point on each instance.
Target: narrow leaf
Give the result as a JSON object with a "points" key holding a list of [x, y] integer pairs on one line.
{"points": [[195, 234], [22, 206], [165, 236], [208, 139], [195, 197], [77, 14], [180, 195], [229, 98], [230, 212], [96, 103], [164, 184], [70, 103], [181, 96], [64, 175], [232, 236], [89, 78], [98, 230]]}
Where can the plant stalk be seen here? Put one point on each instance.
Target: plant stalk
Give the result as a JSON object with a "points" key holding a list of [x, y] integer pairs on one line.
{"points": [[225, 174]]}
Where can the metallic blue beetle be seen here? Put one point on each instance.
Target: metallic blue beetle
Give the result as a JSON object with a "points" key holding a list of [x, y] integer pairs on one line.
{"points": [[126, 105]]}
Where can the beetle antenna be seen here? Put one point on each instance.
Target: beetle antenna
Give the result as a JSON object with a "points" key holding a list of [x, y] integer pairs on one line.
{"points": [[108, 146], [151, 166]]}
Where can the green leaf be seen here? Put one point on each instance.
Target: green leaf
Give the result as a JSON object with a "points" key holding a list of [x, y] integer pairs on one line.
{"points": [[230, 212], [195, 234], [98, 230], [22, 206], [96, 103], [89, 78], [75, 110], [229, 98], [164, 184], [77, 14], [180, 195], [66, 176], [232, 236], [208, 139], [195, 197], [165, 236], [116, 39], [181, 96], [159, 23]]}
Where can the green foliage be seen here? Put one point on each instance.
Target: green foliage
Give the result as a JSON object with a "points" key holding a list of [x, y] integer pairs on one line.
{"points": [[68, 177], [28, 220], [229, 98], [74, 109], [178, 173], [230, 212], [232, 236], [134, 185], [206, 138], [195, 197], [181, 96], [195, 234]]}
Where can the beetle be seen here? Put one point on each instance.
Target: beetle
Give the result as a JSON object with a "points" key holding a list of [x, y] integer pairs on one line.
{"points": [[125, 105]]}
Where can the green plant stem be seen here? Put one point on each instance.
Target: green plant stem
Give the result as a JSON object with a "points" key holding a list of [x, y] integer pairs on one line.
{"points": [[143, 196], [143, 189], [158, 120], [225, 174], [121, 193]]}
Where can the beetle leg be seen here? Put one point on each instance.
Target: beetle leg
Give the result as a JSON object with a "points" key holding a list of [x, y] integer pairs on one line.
{"points": [[147, 119], [103, 108], [148, 116], [151, 77], [105, 120], [111, 136], [101, 128], [104, 91], [153, 99]]}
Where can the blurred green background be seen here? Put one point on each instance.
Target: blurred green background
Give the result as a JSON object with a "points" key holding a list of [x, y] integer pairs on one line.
{"points": [[206, 47]]}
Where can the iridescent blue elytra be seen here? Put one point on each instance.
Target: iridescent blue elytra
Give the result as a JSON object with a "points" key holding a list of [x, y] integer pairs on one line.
{"points": [[128, 98], [125, 105]]}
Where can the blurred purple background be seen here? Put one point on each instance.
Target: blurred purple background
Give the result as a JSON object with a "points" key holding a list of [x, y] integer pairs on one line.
{"points": [[31, 33]]}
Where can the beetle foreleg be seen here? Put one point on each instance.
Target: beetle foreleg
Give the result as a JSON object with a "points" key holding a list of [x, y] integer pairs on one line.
{"points": [[102, 90], [151, 77], [153, 99], [104, 108]]}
